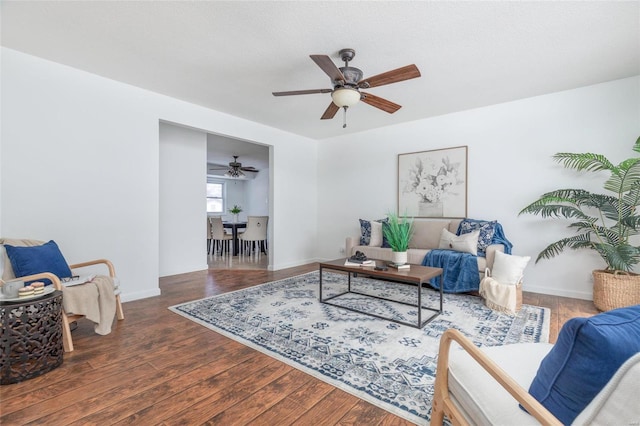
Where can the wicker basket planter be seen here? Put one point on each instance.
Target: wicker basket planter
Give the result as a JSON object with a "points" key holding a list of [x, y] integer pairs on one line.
{"points": [[617, 289]]}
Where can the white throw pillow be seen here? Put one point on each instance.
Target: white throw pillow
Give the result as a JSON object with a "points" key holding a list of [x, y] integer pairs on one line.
{"points": [[376, 234], [509, 269], [466, 243]]}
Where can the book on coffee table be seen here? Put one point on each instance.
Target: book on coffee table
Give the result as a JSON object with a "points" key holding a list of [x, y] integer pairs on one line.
{"points": [[362, 263], [399, 267]]}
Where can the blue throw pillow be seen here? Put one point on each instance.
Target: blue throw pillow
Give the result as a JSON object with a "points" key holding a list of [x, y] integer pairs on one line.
{"points": [[585, 357], [487, 229], [37, 259]]}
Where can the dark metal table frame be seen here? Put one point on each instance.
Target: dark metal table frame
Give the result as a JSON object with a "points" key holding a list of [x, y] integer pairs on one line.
{"points": [[418, 275], [234, 226]]}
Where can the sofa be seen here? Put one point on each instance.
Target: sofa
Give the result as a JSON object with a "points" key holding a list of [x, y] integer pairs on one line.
{"points": [[426, 237]]}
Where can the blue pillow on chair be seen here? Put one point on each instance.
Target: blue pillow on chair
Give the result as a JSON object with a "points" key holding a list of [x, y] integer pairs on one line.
{"points": [[585, 357], [37, 259]]}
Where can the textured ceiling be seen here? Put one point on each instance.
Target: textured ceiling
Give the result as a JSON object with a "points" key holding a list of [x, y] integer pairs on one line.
{"points": [[230, 56]]}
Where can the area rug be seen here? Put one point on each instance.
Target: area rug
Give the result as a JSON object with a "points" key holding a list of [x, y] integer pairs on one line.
{"points": [[390, 365]]}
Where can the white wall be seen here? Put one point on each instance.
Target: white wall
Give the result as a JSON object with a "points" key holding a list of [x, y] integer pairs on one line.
{"points": [[80, 164], [183, 211], [257, 194], [510, 166]]}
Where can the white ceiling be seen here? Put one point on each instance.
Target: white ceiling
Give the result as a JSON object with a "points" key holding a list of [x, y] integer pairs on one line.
{"points": [[230, 55]]}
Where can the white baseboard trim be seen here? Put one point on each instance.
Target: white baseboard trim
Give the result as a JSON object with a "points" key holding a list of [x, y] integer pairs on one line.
{"points": [[279, 266], [558, 292], [136, 295]]}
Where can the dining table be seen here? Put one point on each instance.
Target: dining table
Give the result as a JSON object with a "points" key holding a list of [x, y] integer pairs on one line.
{"points": [[234, 226]]}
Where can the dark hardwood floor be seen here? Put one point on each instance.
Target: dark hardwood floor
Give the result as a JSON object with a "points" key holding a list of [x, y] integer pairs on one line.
{"points": [[157, 367]]}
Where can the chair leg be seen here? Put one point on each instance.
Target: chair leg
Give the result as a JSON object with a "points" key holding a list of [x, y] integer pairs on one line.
{"points": [[208, 245], [119, 311], [67, 341]]}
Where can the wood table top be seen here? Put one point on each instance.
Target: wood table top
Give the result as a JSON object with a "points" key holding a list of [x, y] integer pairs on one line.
{"points": [[415, 274]]}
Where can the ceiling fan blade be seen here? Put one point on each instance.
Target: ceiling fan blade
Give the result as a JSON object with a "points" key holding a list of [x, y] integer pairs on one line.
{"points": [[330, 112], [379, 102], [328, 67], [394, 76], [249, 169], [213, 166], [302, 92]]}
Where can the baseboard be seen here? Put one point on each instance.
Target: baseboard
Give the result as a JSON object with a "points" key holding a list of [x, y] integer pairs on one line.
{"points": [[136, 295], [277, 267], [558, 292]]}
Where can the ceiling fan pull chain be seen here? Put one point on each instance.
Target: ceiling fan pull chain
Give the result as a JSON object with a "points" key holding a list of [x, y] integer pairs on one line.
{"points": [[344, 120]]}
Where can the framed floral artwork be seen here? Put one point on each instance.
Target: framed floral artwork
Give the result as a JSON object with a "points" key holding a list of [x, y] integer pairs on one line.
{"points": [[433, 183]]}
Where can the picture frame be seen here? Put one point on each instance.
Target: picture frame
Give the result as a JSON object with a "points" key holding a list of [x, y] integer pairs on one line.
{"points": [[433, 183]]}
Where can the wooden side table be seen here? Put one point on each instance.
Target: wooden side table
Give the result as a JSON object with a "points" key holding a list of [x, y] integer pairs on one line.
{"points": [[31, 337]]}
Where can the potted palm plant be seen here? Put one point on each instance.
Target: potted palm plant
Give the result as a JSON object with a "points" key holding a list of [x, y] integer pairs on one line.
{"points": [[398, 232], [602, 222]]}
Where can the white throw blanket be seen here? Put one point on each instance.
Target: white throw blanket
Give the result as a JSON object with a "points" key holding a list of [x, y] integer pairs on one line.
{"points": [[95, 300], [499, 297]]}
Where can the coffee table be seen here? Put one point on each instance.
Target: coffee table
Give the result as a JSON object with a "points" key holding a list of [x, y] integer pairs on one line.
{"points": [[417, 274]]}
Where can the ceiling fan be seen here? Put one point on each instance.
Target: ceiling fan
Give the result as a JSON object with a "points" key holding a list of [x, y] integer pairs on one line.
{"points": [[235, 169], [347, 82]]}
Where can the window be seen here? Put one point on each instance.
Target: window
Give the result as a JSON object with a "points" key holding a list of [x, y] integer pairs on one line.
{"points": [[215, 199]]}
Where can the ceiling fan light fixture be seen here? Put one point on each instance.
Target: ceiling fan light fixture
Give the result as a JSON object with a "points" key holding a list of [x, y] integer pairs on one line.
{"points": [[345, 97], [234, 173]]}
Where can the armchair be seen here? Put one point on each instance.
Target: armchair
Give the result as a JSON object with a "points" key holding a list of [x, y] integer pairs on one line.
{"points": [[590, 376], [79, 301]]}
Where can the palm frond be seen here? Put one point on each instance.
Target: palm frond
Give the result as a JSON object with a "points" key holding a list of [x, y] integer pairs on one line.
{"points": [[619, 257], [584, 161], [632, 197], [555, 210], [575, 242], [632, 222], [626, 176]]}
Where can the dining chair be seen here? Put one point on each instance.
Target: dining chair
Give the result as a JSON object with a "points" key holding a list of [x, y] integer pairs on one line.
{"points": [[219, 237], [209, 236], [255, 235]]}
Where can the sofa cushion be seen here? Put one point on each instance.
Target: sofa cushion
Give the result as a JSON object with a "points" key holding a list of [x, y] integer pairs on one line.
{"points": [[487, 229], [509, 269], [467, 243], [34, 260], [426, 233], [587, 354]]}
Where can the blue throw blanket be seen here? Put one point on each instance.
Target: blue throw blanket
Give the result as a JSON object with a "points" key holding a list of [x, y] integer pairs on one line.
{"points": [[499, 238], [460, 270]]}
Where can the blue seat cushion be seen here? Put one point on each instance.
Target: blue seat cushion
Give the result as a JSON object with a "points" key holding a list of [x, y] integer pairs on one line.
{"points": [[37, 259], [585, 357]]}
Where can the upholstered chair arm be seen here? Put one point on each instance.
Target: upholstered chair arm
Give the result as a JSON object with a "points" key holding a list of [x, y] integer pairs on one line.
{"points": [[491, 253], [44, 275], [112, 270], [442, 403], [350, 243]]}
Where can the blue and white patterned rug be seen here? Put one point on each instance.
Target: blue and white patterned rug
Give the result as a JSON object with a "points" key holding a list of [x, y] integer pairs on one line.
{"points": [[390, 365]]}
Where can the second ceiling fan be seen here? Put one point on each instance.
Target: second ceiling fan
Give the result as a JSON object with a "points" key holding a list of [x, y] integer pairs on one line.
{"points": [[347, 82]]}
